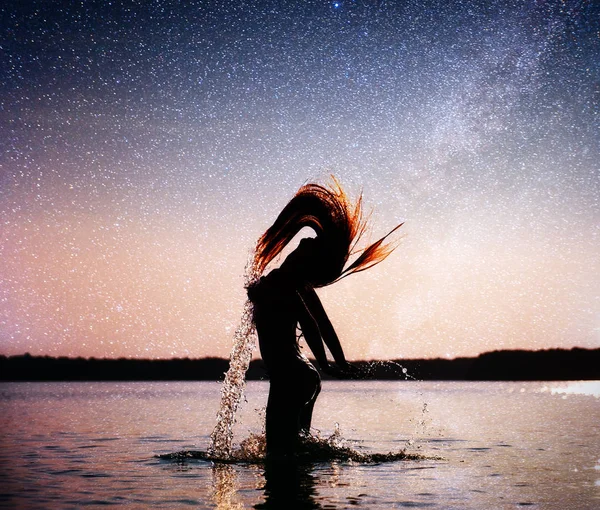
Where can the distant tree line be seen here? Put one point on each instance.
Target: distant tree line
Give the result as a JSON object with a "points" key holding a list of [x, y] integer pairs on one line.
{"points": [[508, 365]]}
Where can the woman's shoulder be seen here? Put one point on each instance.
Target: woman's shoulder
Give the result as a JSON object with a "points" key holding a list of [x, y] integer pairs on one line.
{"points": [[273, 282], [276, 285]]}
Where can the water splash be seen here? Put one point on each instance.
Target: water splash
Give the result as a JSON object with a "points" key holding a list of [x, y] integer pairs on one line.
{"points": [[234, 384], [313, 448], [235, 378], [370, 368]]}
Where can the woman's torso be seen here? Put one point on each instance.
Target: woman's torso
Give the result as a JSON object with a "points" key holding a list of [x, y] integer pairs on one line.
{"points": [[276, 310]]}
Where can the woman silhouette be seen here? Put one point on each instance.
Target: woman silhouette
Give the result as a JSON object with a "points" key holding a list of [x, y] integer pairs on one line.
{"points": [[285, 298]]}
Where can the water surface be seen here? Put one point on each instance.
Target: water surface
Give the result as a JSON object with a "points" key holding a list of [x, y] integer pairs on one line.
{"points": [[503, 445]]}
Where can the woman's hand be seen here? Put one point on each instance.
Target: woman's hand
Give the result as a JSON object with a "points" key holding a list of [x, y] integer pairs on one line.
{"points": [[343, 370]]}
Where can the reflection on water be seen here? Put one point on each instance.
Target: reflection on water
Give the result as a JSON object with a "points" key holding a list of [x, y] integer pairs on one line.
{"points": [[225, 487], [283, 484], [289, 485], [505, 445], [591, 388]]}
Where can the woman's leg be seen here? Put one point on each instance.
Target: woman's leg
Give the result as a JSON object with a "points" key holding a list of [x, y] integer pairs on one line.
{"points": [[290, 407], [282, 414], [312, 384]]}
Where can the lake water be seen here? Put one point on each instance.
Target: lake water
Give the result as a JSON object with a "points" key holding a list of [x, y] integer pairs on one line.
{"points": [[502, 445]]}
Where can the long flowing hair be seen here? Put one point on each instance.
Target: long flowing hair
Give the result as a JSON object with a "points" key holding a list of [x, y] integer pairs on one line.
{"points": [[338, 223]]}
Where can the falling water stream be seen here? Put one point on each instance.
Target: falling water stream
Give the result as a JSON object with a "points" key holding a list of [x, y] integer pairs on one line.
{"points": [[233, 385]]}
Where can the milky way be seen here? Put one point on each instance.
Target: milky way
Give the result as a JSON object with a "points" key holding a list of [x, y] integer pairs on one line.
{"points": [[144, 148]]}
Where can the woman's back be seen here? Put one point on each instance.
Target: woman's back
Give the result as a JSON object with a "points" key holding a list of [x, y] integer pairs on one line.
{"points": [[276, 305]]}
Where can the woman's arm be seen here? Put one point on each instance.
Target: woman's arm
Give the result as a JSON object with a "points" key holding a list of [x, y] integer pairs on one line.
{"points": [[317, 328], [312, 335]]}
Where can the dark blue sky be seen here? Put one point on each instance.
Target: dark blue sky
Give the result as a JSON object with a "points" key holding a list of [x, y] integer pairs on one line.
{"points": [[145, 147]]}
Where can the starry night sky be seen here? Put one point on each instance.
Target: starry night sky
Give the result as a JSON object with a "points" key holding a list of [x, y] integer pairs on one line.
{"points": [[144, 147]]}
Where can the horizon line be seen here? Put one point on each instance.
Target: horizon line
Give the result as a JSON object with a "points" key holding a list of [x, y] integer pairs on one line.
{"points": [[226, 358]]}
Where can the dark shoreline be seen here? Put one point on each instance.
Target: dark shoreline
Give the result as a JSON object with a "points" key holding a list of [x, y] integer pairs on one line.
{"points": [[508, 365]]}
